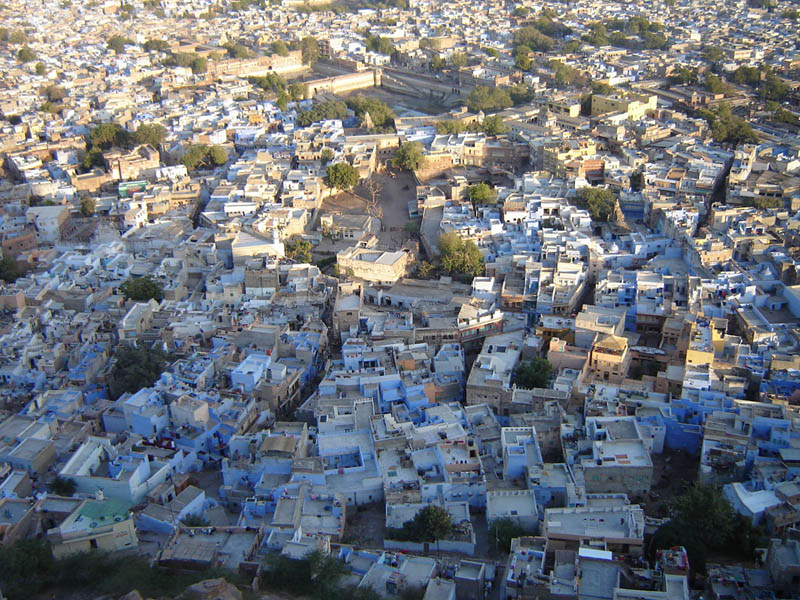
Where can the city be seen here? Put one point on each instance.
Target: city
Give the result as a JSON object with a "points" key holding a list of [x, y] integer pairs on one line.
{"points": [[409, 299]]}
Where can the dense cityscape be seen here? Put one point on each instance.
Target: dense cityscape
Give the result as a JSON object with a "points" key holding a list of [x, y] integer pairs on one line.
{"points": [[401, 299]]}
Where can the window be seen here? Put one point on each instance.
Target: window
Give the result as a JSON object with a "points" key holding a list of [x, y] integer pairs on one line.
{"points": [[93, 544]]}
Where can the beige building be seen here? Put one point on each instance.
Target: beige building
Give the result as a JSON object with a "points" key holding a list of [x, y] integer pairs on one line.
{"points": [[634, 107], [95, 524], [610, 358], [374, 265]]}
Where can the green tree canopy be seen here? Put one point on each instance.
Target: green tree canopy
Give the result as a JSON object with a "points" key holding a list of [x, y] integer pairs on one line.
{"points": [[703, 522], [87, 207], [459, 256], [321, 111], [409, 156], [458, 60], [107, 135], [533, 374], [488, 99], [494, 125], [26, 55], [342, 176], [727, 127], [298, 249], [502, 531], [217, 155], [430, 524], [117, 43], [481, 193], [63, 486], [142, 289], [156, 45], [326, 156], [378, 44], [280, 48], [10, 269], [598, 201], [135, 368], [309, 48], [154, 134], [533, 38], [41, 69], [379, 112]]}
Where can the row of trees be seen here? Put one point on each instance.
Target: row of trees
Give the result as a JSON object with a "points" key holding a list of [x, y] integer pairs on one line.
{"points": [[105, 136], [491, 125], [29, 570], [201, 156]]}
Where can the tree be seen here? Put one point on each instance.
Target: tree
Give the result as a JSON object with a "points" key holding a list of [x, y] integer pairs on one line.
{"points": [[379, 44], [727, 127], [712, 54], [298, 249], [142, 289], [481, 193], [598, 201], [486, 99], [409, 156], [88, 207], [424, 269], [155, 45], [154, 134], [533, 38], [522, 58], [309, 48], [40, 69], [326, 156], [280, 48], [533, 374], [26, 55], [502, 531], [63, 486], [106, 135], [702, 521], [412, 228], [10, 269], [54, 93], [459, 256], [321, 111], [379, 112], [342, 176], [194, 521], [117, 43], [458, 60], [326, 570], [135, 368], [494, 125], [374, 187], [431, 524], [297, 91], [217, 155]]}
